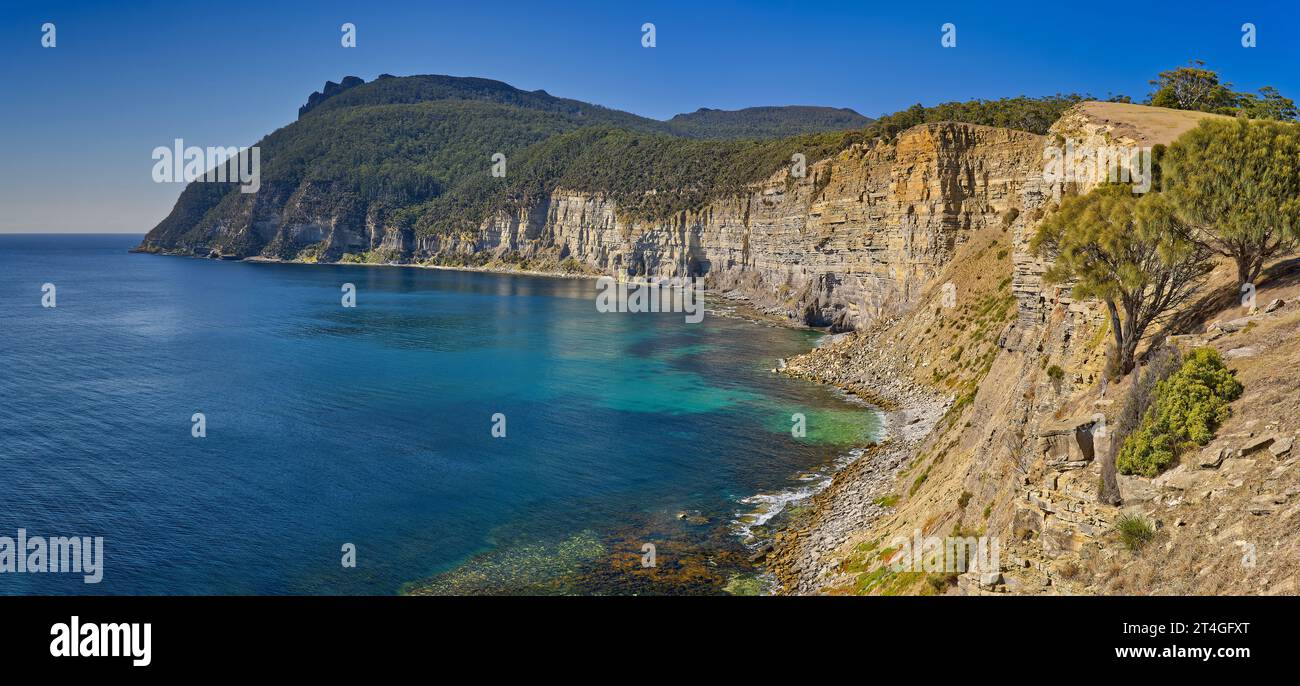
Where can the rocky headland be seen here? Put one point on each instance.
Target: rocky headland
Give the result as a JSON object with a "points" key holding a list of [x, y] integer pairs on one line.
{"points": [[917, 246]]}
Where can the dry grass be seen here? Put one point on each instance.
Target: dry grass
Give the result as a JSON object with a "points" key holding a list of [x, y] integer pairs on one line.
{"points": [[1143, 124]]}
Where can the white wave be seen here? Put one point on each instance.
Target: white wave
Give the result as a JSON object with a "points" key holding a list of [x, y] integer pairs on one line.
{"points": [[769, 505]]}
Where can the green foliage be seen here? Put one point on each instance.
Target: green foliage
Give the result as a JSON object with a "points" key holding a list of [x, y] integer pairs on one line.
{"points": [[1189, 406], [1193, 87], [1126, 252], [763, 122], [1035, 115], [1135, 531], [411, 90], [1269, 104], [1055, 373], [1235, 185], [751, 122]]}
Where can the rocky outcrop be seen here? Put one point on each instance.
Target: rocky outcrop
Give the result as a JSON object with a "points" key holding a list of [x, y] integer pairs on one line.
{"points": [[331, 89]]}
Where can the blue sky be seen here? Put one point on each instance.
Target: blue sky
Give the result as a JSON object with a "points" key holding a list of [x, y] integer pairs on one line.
{"points": [[79, 121]]}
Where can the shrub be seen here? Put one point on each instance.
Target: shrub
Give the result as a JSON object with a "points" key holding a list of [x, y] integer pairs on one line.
{"points": [[1189, 406], [1135, 531], [1055, 373]]}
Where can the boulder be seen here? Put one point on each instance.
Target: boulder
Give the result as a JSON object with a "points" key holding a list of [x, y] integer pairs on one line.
{"points": [[1135, 489], [1026, 523], [1264, 504], [1254, 444], [1236, 466], [1234, 324], [1212, 457], [1180, 479], [1060, 538]]}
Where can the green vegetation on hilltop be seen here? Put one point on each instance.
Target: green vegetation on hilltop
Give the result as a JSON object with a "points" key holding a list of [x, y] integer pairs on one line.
{"points": [[1193, 87], [653, 176], [410, 90], [764, 122], [403, 154], [750, 122], [649, 176], [1189, 406], [1034, 115]]}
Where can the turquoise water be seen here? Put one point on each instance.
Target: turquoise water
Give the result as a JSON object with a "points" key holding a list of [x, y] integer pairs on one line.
{"points": [[372, 426]]}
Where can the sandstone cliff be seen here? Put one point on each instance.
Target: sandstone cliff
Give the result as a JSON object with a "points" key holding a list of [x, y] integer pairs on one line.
{"points": [[857, 237], [1009, 445]]}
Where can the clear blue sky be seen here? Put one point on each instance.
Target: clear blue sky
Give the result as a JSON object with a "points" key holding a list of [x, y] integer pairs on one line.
{"points": [[79, 121]]}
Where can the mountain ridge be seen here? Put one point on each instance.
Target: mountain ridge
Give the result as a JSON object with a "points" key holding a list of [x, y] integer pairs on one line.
{"points": [[763, 121]]}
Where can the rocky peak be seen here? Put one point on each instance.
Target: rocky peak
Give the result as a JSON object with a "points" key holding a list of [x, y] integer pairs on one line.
{"points": [[330, 90]]}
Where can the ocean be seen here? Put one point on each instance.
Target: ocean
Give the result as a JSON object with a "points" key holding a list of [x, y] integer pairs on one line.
{"points": [[634, 443]]}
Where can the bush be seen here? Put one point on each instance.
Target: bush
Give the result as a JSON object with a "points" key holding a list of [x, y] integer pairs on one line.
{"points": [[1055, 373], [1189, 407], [1135, 531]]}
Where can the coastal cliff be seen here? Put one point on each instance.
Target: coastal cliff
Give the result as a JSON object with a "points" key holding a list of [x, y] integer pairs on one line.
{"points": [[1006, 419], [917, 242], [857, 237]]}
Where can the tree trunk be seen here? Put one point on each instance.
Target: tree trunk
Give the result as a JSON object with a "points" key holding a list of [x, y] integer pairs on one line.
{"points": [[1129, 352], [1244, 271], [1116, 330]]}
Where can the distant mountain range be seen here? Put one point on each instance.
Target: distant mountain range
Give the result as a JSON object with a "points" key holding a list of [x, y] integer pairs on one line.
{"points": [[751, 122]]}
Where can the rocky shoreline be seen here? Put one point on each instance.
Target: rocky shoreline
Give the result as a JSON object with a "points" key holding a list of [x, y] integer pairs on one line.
{"points": [[801, 554]]}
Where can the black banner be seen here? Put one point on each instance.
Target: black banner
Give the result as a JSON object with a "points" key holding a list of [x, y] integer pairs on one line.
{"points": [[333, 635]]}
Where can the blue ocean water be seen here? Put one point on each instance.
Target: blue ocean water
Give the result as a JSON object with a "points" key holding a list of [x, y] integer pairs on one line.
{"points": [[372, 425]]}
